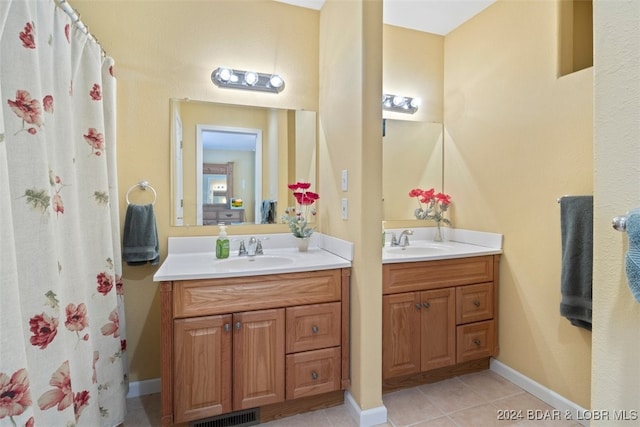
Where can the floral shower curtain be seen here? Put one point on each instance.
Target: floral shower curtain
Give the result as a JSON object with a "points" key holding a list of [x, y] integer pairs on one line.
{"points": [[62, 340]]}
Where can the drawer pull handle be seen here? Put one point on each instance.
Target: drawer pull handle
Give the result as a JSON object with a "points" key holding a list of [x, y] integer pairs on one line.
{"points": [[477, 342], [426, 305], [227, 327], [315, 329], [238, 325], [476, 303], [314, 375], [417, 306]]}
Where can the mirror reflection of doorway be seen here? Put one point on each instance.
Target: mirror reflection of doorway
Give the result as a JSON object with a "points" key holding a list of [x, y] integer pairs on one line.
{"points": [[216, 189]]}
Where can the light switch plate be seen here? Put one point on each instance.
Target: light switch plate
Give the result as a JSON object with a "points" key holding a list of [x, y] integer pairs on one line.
{"points": [[345, 209], [345, 180]]}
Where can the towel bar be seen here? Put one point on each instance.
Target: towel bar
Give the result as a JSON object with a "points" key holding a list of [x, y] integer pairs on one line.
{"points": [[620, 222]]}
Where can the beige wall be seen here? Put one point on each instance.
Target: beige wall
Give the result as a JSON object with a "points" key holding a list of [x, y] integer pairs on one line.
{"points": [[519, 137], [616, 346], [506, 115], [413, 65], [350, 138], [167, 49]]}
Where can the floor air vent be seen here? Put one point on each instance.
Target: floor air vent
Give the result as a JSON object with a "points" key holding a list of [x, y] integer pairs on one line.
{"points": [[247, 418]]}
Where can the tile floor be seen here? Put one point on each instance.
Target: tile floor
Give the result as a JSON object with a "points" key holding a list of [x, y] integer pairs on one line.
{"points": [[468, 401]]}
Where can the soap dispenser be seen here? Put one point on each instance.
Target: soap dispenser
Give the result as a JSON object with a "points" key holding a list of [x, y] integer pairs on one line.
{"points": [[222, 244]]}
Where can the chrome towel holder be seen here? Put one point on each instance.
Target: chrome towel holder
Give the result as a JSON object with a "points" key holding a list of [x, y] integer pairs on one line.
{"points": [[142, 185], [620, 222]]}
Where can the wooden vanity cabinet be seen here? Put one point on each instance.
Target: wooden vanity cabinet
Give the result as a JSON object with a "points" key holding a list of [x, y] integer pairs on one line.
{"points": [[437, 317], [239, 343]]}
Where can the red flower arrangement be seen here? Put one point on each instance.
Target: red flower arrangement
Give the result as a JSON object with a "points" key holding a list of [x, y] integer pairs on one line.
{"points": [[431, 205], [297, 216]]}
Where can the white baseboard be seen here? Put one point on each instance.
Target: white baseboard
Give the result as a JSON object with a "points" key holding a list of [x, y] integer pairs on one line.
{"points": [[548, 396], [141, 388], [368, 417]]}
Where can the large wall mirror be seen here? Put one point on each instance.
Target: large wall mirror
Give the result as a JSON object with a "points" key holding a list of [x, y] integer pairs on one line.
{"points": [[231, 163], [412, 157]]}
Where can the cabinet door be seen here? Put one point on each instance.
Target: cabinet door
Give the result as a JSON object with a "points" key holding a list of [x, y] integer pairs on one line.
{"points": [[258, 358], [400, 334], [438, 328], [202, 367]]}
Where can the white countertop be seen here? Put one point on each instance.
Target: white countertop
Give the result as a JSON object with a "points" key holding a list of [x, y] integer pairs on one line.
{"points": [[194, 257], [457, 243]]}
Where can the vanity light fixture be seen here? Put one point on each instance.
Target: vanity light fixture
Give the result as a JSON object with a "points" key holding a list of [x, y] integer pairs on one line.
{"points": [[248, 80], [400, 104]]}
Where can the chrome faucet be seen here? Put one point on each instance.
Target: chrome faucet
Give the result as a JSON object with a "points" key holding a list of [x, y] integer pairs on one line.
{"points": [[252, 246], [403, 240]]}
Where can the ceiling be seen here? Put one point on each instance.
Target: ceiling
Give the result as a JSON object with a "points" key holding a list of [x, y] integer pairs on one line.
{"points": [[431, 16]]}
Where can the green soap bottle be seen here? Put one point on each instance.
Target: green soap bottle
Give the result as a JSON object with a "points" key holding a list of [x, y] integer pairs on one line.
{"points": [[222, 244]]}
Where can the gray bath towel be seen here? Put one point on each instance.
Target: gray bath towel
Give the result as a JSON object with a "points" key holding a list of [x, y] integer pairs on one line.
{"points": [[140, 240], [576, 220], [268, 211]]}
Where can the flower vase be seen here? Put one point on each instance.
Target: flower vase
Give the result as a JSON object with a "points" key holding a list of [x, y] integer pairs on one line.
{"points": [[303, 243], [438, 234]]}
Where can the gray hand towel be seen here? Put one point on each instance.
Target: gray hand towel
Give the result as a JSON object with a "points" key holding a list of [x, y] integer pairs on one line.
{"points": [[576, 220], [268, 211], [140, 240]]}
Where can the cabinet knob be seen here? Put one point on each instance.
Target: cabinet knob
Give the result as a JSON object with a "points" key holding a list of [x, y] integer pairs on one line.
{"points": [[417, 306], [426, 305], [477, 342], [238, 325], [315, 329], [476, 303], [227, 327], [314, 375]]}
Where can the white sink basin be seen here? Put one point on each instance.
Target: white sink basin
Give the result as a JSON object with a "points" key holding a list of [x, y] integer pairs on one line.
{"points": [[258, 262], [418, 250]]}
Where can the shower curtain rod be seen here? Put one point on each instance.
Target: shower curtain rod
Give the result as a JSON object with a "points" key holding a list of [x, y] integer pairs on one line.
{"points": [[75, 17]]}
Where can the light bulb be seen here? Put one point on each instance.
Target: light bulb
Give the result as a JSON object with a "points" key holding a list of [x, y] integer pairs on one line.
{"points": [[250, 78], [398, 100], [276, 81], [224, 74]]}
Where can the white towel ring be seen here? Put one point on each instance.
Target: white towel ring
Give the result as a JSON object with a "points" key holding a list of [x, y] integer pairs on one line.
{"points": [[142, 185]]}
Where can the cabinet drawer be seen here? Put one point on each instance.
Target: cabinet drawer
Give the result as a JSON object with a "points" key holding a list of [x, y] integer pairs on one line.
{"points": [[311, 327], [475, 341], [313, 372], [234, 294], [474, 303], [235, 215], [417, 276]]}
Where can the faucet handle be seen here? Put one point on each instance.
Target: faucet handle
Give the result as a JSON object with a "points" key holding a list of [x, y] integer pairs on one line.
{"points": [[394, 239], [259, 248], [242, 250]]}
